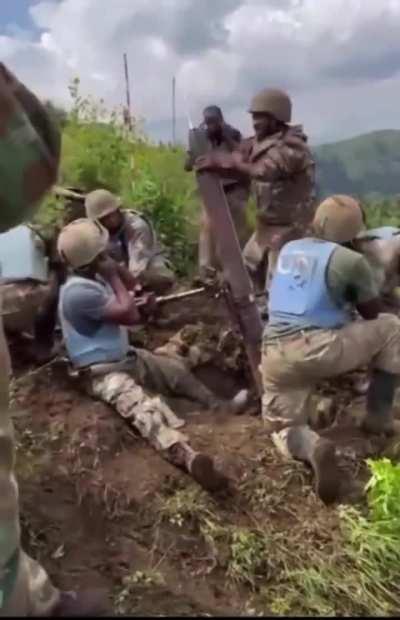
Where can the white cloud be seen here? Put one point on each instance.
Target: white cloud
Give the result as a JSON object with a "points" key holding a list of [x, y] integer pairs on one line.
{"points": [[339, 59]]}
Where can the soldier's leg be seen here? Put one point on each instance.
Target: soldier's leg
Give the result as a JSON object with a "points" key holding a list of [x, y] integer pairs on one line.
{"points": [[158, 276], [255, 261], [25, 589], [170, 376], [292, 366], [152, 419]]}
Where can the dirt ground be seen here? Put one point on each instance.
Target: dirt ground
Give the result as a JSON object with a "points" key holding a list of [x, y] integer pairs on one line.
{"points": [[101, 508]]}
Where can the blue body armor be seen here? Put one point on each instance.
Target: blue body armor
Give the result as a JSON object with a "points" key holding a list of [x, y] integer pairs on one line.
{"points": [[108, 344], [299, 292]]}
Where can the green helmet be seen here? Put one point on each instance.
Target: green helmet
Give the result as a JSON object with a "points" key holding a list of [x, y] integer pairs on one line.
{"points": [[339, 219], [272, 101], [80, 242], [100, 203]]}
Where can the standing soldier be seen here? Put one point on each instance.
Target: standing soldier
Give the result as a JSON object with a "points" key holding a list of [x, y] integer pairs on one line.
{"points": [[221, 138], [29, 156], [133, 241], [279, 162]]}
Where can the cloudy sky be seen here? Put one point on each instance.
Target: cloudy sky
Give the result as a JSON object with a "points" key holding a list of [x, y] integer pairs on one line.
{"points": [[339, 59]]}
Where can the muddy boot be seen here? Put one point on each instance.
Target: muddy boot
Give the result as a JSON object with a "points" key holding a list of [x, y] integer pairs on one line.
{"points": [[303, 444], [200, 466], [84, 604], [380, 396]]}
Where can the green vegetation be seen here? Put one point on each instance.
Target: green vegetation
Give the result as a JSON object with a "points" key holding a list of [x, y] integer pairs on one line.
{"points": [[99, 152], [368, 165]]}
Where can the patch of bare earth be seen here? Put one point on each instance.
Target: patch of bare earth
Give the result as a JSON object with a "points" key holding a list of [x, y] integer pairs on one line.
{"points": [[100, 507]]}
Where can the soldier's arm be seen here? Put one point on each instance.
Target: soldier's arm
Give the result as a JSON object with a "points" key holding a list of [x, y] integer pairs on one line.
{"points": [[364, 290], [281, 162]]}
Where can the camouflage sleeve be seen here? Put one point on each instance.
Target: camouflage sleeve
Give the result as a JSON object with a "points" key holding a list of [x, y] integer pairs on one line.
{"points": [[281, 161], [142, 244]]}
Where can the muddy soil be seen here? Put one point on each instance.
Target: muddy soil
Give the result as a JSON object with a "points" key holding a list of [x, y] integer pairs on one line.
{"points": [[100, 507]]}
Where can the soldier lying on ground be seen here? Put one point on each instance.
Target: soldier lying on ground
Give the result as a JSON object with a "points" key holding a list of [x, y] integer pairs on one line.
{"points": [[313, 335], [29, 158], [95, 308], [132, 242], [280, 164], [221, 138]]}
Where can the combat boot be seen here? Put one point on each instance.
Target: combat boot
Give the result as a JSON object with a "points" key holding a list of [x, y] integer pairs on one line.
{"points": [[83, 604], [200, 466], [380, 396], [303, 444]]}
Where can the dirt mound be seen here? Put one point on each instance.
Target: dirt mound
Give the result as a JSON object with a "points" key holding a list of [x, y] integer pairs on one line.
{"points": [[100, 507]]}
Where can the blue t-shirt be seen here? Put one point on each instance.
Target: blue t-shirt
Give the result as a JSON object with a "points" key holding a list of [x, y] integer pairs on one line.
{"points": [[84, 304]]}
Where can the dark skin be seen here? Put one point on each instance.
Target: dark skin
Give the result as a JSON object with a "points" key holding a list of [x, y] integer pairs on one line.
{"points": [[122, 309], [264, 125]]}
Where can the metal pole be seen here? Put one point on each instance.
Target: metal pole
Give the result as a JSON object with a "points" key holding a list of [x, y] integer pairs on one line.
{"points": [[128, 93], [173, 111]]}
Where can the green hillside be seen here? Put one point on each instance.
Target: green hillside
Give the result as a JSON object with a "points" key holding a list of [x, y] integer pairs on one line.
{"points": [[367, 165]]}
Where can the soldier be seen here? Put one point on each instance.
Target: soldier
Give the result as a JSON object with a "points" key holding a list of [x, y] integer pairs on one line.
{"points": [[381, 247], [221, 138], [95, 308], [29, 156], [31, 280], [133, 241], [313, 334], [281, 166]]}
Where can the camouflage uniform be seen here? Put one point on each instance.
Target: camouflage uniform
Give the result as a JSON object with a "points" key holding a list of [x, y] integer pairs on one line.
{"points": [[146, 260], [25, 588], [383, 256], [120, 387], [237, 194], [135, 244], [284, 185]]}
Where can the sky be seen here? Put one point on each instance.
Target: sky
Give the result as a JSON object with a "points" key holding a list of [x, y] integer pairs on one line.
{"points": [[338, 59]]}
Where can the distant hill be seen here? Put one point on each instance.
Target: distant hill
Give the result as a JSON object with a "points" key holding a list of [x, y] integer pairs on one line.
{"points": [[367, 165]]}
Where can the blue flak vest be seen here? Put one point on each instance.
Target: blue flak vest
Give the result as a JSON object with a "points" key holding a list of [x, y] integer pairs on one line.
{"points": [[299, 293], [108, 344], [385, 233]]}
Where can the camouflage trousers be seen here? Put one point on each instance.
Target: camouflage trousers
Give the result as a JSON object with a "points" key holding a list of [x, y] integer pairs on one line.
{"points": [[262, 250], [292, 365], [237, 200], [148, 414], [21, 302], [158, 276], [25, 589]]}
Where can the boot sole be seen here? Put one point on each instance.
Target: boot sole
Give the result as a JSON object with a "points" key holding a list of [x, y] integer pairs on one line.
{"points": [[327, 472], [205, 474]]}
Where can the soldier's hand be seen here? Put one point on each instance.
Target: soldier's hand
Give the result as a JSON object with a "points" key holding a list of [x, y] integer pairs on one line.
{"points": [[147, 304], [107, 268]]}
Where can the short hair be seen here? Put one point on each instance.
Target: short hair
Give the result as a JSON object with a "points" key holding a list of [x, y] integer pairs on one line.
{"points": [[214, 110]]}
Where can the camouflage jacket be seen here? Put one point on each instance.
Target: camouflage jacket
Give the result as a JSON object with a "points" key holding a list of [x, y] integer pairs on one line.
{"points": [[283, 174], [223, 147], [136, 243]]}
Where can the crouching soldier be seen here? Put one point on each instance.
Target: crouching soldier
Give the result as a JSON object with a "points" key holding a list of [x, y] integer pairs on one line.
{"points": [[30, 286], [313, 334], [132, 240], [95, 308]]}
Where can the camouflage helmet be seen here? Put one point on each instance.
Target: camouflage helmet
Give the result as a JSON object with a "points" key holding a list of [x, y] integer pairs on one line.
{"points": [[80, 242], [100, 203], [338, 218], [273, 101]]}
